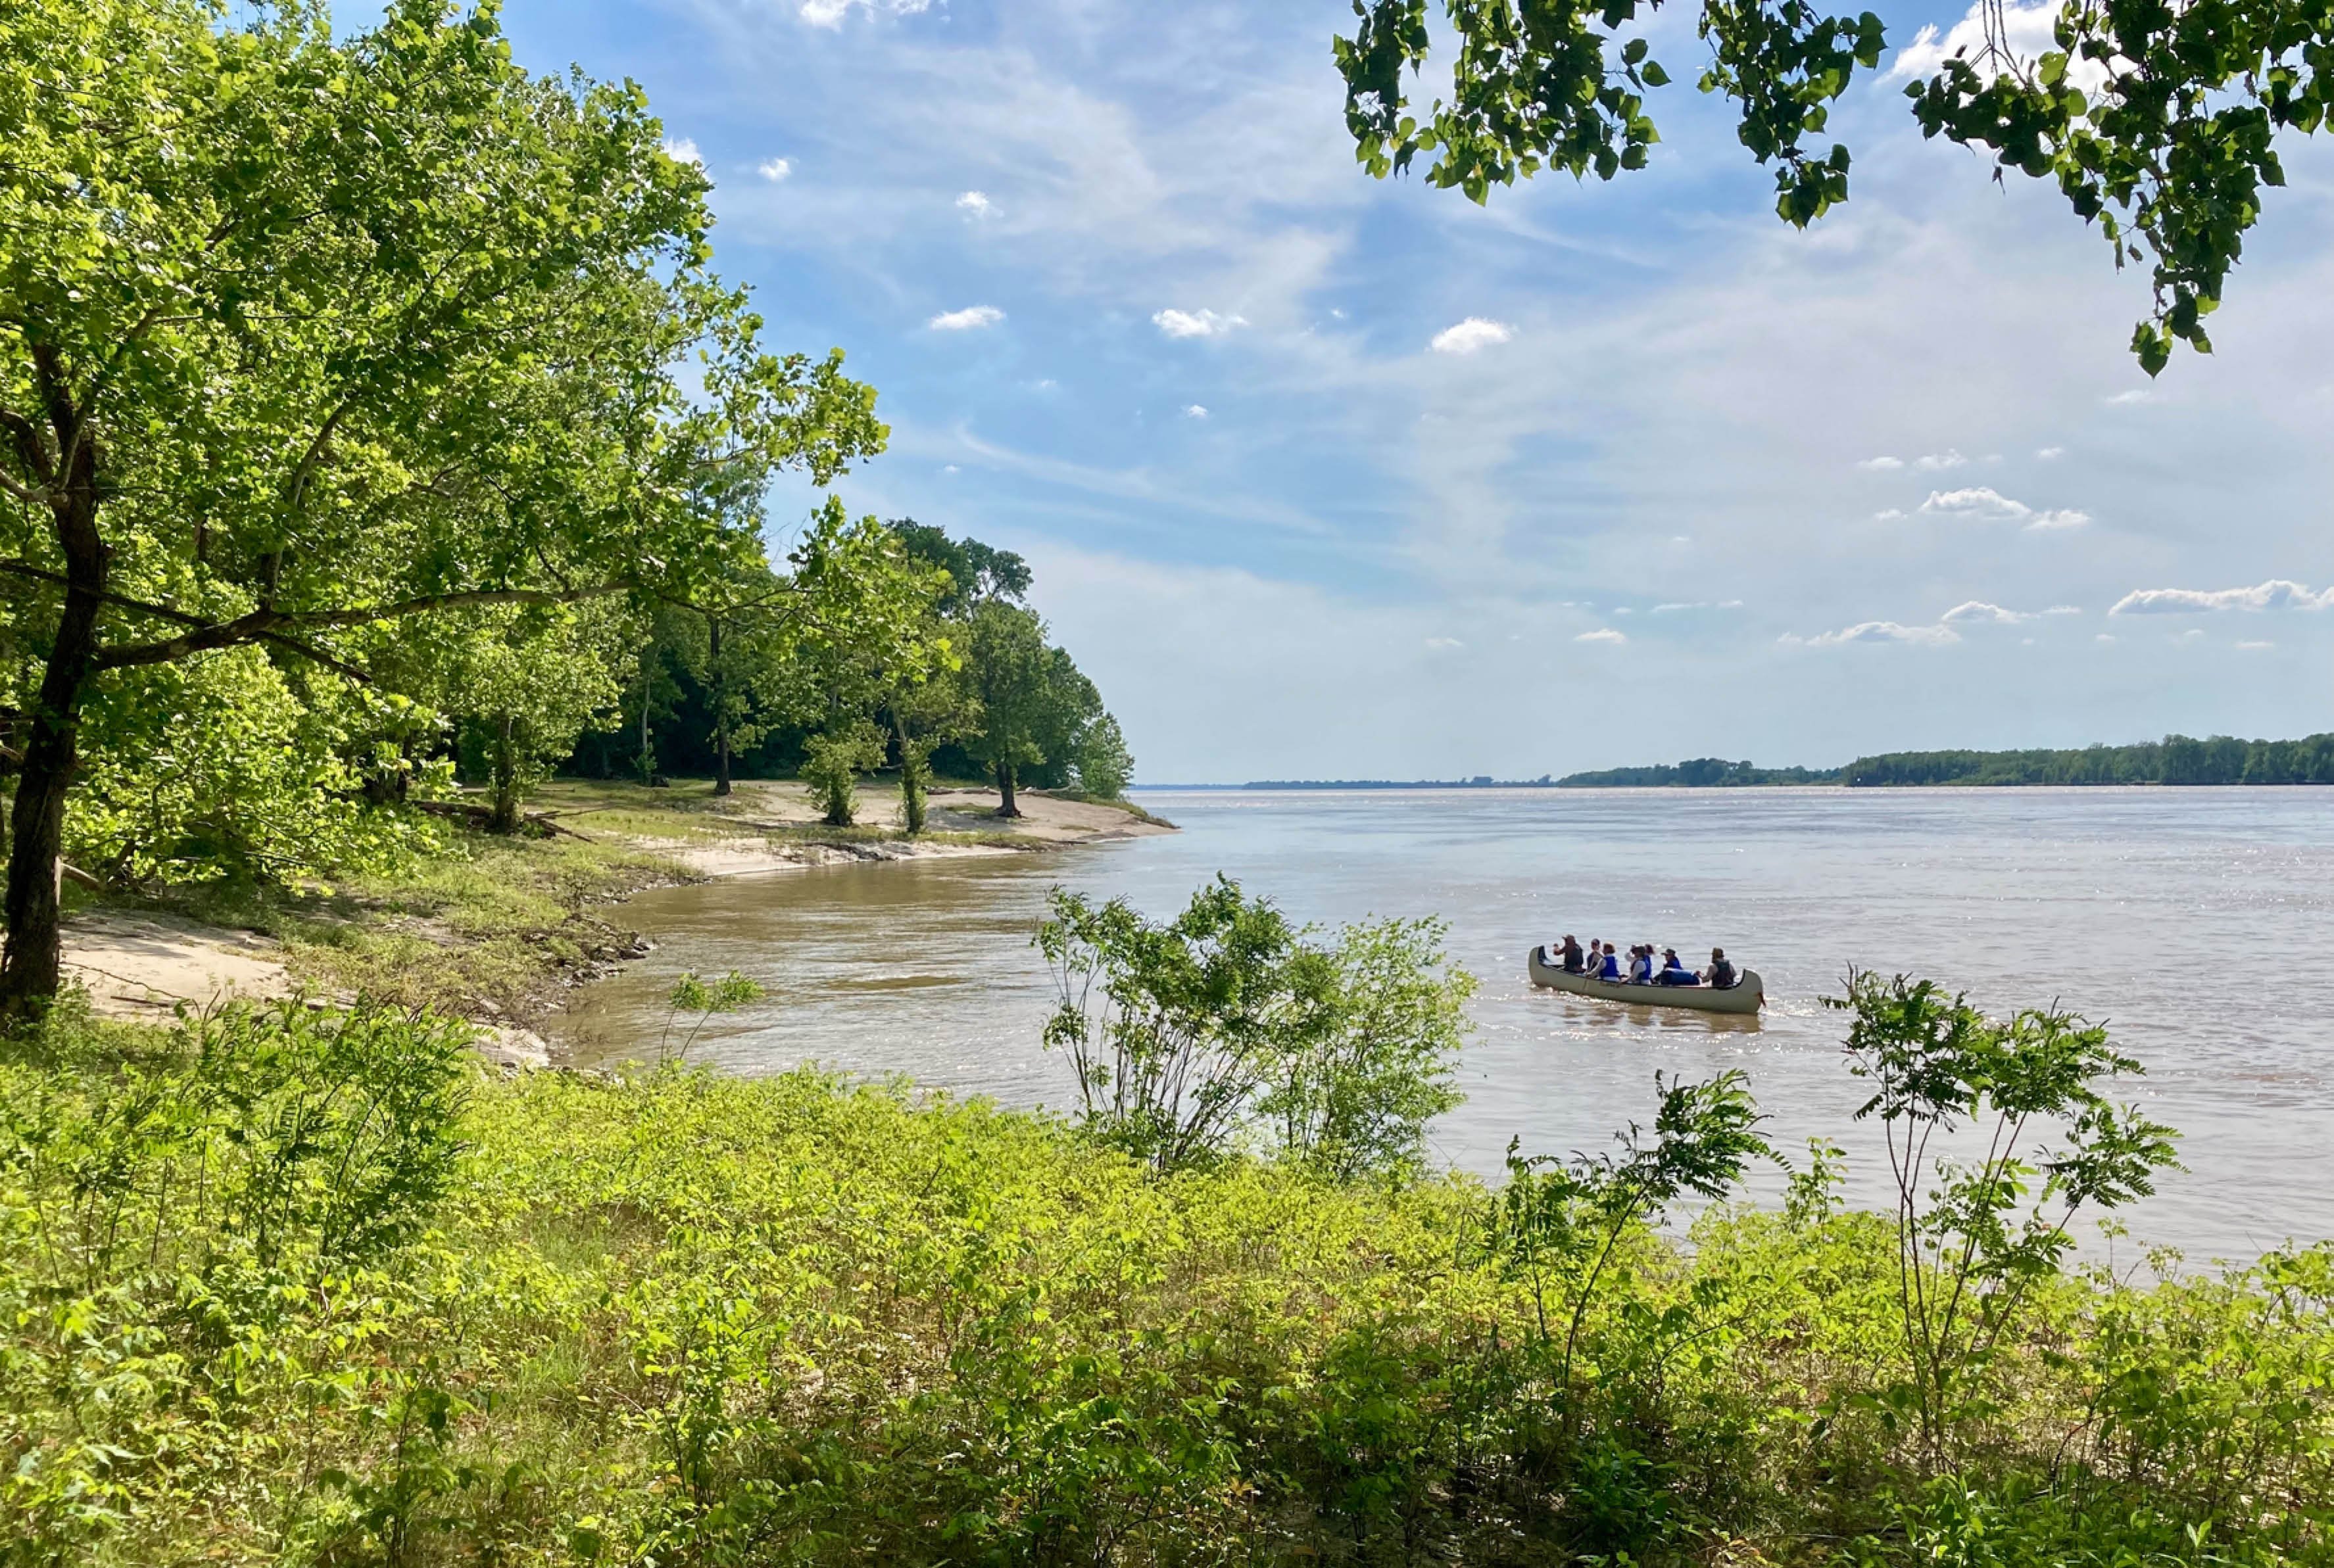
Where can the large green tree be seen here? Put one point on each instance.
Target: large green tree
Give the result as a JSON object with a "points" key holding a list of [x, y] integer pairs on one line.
{"points": [[301, 334], [1035, 704], [2157, 121]]}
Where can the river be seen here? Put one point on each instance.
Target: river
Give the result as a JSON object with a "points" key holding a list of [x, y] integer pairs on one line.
{"points": [[2197, 922]]}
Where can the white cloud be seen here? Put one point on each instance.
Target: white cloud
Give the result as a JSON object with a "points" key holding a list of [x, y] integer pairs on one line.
{"points": [[1888, 514], [1195, 410], [1984, 502], [967, 319], [1442, 644], [2255, 646], [1601, 634], [1977, 500], [1977, 611], [681, 149], [2277, 594], [1178, 323], [776, 169], [1880, 465], [2103, 637], [1936, 462], [976, 204], [831, 13], [2047, 453], [2136, 395], [1884, 631], [2026, 31], [2064, 609], [1474, 334]]}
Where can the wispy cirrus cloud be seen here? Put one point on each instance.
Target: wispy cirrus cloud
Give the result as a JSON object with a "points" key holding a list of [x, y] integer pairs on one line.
{"points": [[2277, 594], [1604, 634]]}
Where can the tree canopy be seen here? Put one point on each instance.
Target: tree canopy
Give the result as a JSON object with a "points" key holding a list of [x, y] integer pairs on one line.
{"points": [[303, 336], [2156, 120]]}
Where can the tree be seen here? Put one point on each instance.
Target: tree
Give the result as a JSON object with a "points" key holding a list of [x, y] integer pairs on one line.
{"points": [[1009, 665], [300, 335], [2156, 122], [526, 680], [977, 573], [1103, 765]]}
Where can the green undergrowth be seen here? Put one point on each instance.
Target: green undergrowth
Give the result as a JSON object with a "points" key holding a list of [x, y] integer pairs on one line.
{"points": [[305, 1288]]}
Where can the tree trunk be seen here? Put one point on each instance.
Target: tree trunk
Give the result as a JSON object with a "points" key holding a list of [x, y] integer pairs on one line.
{"points": [[29, 975], [647, 677], [1005, 782], [505, 817], [721, 708]]}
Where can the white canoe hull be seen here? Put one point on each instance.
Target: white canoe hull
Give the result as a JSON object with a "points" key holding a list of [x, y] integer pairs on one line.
{"points": [[1743, 997]]}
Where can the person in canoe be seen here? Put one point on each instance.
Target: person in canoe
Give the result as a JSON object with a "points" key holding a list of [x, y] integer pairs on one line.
{"points": [[1720, 973], [1608, 966], [1570, 955], [1673, 971], [1640, 965]]}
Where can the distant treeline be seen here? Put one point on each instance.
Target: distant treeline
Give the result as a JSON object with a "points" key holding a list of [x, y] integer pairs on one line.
{"points": [[1699, 773], [2177, 759]]}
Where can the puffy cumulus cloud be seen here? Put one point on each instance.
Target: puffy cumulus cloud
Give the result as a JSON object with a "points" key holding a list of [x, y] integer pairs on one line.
{"points": [[1937, 462], [966, 320], [1178, 323], [1471, 336], [1976, 501], [2277, 594], [975, 204], [774, 169], [2047, 453], [1881, 465], [1977, 611], [831, 13], [681, 149], [1988, 504], [1195, 410], [1603, 634]]}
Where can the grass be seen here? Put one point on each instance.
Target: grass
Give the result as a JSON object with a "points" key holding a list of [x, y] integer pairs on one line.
{"points": [[300, 1290]]}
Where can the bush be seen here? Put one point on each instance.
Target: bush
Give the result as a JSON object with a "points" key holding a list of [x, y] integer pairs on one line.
{"points": [[1229, 1018], [278, 1286]]}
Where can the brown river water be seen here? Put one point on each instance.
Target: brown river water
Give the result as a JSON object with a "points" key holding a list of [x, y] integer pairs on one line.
{"points": [[2198, 922]]}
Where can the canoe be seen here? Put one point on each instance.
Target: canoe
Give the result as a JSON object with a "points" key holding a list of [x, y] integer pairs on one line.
{"points": [[1745, 996]]}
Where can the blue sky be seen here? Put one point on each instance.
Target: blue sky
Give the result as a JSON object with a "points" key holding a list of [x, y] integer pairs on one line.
{"points": [[1690, 483]]}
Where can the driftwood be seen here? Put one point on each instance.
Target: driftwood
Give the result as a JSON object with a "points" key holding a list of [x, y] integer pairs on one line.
{"points": [[484, 816]]}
